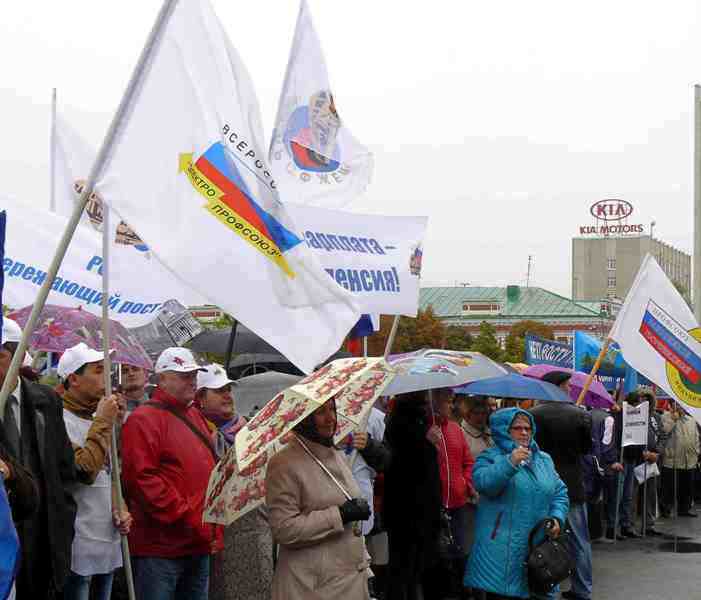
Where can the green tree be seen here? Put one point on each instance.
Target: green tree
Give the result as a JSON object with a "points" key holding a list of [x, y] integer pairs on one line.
{"points": [[523, 328], [486, 342], [424, 331], [515, 349], [458, 338], [515, 346]]}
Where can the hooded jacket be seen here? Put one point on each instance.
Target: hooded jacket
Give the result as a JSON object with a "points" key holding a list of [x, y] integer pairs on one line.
{"points": [[512, 501]]}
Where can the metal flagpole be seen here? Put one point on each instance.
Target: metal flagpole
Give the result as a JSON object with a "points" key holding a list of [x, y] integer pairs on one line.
{"points": [[619, 492], [95, 171], [52, 154], [697, 203], [114, 452], [392, 335], [674, 468]]}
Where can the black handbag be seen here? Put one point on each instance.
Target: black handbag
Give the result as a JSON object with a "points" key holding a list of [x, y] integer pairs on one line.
{"points": [[549, 562]]}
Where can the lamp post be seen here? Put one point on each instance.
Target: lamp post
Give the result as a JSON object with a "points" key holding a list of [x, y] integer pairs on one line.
{"points": [[652, 241]]}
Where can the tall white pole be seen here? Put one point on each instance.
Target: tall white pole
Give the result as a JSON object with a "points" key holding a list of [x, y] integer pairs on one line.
{"points": [[114, 452], [102, 156], [52, 154], [697, 204]]}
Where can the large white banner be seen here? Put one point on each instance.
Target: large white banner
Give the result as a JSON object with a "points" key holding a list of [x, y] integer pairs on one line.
{"points": [[375, 257], [660, 338], [139, 284], [188, 172]]}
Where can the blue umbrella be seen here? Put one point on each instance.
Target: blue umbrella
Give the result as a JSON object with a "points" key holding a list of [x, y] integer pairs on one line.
{"points": [[515, 386]]}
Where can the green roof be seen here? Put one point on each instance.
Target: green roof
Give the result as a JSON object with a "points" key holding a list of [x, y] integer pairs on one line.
{"points": [[520, 302]]}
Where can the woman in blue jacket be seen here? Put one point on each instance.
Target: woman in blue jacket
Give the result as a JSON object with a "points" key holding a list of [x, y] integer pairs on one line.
{"points": [[518, 487]]}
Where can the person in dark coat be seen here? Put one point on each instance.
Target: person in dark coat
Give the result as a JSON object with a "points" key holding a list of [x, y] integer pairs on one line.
{"points": [[412, 497], [563, 430], [35, 436]]}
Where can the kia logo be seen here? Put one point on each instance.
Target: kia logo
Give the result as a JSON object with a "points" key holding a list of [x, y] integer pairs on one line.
{"points": [[611, 210]]}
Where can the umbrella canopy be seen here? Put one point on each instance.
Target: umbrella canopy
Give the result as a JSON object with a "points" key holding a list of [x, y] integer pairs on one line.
{"points": [[355, 383], [432, 369], [596, 397], [61, 327], [254, 391], [233, 491], [515, 386]]}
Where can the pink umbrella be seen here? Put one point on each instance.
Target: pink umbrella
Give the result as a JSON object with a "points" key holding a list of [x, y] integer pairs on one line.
{"points": [[60, 327], [596, 397]]}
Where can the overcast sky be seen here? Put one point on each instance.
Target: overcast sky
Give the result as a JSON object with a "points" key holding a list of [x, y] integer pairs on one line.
{"points": [[502, 121]]}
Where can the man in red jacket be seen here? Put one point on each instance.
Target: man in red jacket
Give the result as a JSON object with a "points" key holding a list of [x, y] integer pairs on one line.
{"points": [[168, 457]]}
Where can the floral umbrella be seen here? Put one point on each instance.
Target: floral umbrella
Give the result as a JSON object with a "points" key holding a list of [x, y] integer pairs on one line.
{"points": [[60, 327], [233, 492], [354, 382]]}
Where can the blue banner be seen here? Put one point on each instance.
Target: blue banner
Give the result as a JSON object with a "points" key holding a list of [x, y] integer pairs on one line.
{"points": [[586, 351], [540, 351]]}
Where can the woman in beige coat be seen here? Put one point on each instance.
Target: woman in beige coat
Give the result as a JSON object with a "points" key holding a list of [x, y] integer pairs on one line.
{"points": [[322, 556]]}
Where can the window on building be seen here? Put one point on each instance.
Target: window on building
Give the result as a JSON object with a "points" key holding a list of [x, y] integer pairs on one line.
{"points": [[611, 264], [611, 282]]}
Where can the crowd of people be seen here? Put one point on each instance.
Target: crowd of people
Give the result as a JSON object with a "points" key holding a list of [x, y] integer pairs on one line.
{"points": [[436, 501]]}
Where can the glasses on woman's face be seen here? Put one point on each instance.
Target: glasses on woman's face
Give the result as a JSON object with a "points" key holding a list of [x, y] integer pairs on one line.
{"points": [[521, 428]]}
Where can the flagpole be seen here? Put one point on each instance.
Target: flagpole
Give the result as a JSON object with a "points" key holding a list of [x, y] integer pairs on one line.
{"points": [[52, 154], [594, 369], [697, 204], [392, 335], [96, 170], [114, 452]]}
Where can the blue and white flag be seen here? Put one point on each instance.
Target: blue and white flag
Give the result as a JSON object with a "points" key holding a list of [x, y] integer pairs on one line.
{"points": [[540, 351], [313, 155], [660, 338]]}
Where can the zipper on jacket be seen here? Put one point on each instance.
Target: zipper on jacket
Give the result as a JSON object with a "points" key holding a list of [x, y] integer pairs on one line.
{"points": [[496, 525]]}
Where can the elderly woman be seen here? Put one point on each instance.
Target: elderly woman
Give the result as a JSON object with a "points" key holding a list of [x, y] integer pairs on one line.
{"points": [[518, 487], [474, 414], [322, 555], [244, 570]]}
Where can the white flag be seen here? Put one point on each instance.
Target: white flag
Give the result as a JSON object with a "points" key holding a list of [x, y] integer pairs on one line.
{"points": [[660, 338], [314, 156], [188, 172]]}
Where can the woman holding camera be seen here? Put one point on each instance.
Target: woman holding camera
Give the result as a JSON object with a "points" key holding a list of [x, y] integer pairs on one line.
{"points": [[518, 488]]}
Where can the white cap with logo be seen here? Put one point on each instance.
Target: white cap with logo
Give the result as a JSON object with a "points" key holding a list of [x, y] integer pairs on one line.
{"points": [[213, 377], [180, 360], [77, 356], [11, 331]]}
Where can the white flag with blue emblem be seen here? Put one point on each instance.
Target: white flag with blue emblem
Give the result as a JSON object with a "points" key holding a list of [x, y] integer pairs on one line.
{"points": [[314, 156], [188, 172], [660, 338]]}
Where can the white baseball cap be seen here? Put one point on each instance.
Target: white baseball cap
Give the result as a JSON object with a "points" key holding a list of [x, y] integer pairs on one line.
{"points": [[213, 377], [11, 331], [180, 360], [77, 356]]}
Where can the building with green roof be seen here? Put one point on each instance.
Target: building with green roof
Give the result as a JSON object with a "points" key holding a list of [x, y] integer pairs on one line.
{"points": [[502, 307]]}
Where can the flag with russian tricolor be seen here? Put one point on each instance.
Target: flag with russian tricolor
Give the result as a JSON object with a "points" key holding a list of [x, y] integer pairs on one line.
{"points": [[189, 172], [660, 338]]}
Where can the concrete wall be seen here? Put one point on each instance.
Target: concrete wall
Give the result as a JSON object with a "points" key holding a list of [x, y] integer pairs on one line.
{"points": [[591, 272]]}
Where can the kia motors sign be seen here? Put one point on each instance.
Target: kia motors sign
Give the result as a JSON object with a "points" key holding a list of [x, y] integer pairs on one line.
{"points": [[611, 210], [608, 214]]}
